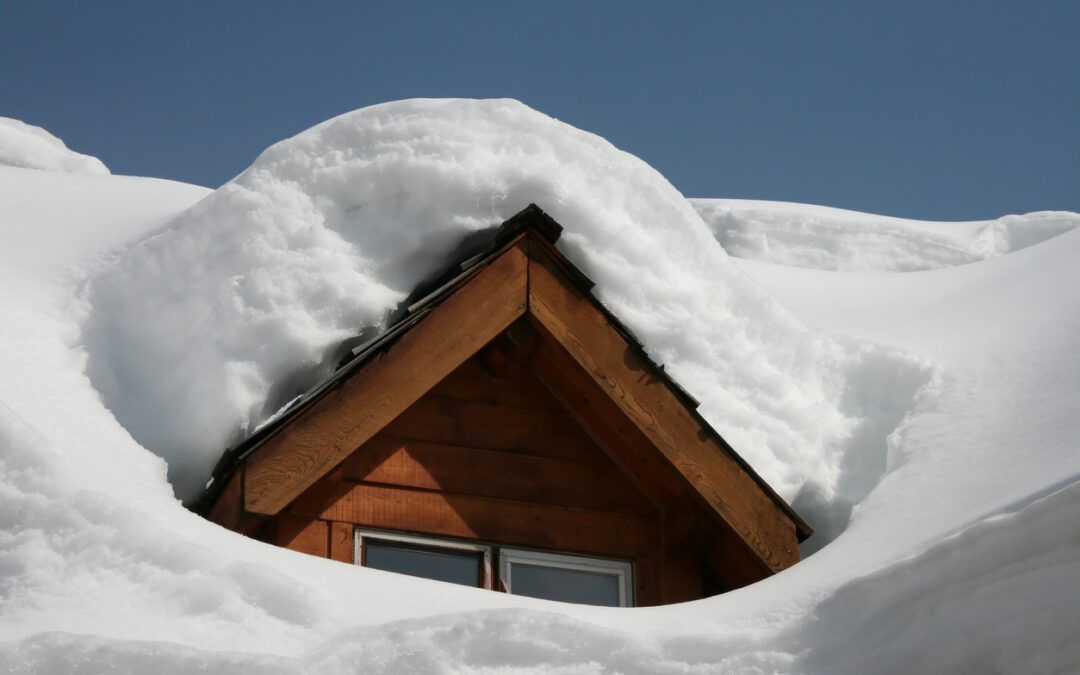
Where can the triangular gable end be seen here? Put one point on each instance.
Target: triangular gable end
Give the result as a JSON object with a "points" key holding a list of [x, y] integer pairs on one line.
{"points": [[530, 302]]}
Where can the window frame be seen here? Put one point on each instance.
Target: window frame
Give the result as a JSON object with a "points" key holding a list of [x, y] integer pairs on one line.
{"points": [[622, 569], [421, 542], [500, 579]]}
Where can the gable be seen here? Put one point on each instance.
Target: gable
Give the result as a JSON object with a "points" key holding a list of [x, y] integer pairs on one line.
{"points": [[525, 305], [468, 463]]}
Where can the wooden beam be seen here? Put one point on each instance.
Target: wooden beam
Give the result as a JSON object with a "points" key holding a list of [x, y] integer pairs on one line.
{"points": [[634, 385], [352, 412]]}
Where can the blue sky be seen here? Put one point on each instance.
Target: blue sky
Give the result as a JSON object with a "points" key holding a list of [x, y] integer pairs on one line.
{"points": [[939, 110]]}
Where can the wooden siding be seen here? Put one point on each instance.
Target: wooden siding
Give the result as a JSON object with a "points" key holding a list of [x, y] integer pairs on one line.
{"points": [[495, 458], [516, 413], [338, 423]]}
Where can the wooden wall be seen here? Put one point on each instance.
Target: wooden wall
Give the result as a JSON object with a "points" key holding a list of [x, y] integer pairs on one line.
{"points": [[494, 458]]}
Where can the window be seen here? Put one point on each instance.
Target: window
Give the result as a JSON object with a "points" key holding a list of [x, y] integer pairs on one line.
{"points": [[567, 578], [537, 574], [442, 560]]}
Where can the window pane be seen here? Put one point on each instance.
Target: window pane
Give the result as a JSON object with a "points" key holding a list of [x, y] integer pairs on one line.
{"points": [[456, 567], [555, 583]]}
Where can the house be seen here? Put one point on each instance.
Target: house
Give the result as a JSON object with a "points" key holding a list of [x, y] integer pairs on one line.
{"points": [[506, 431]]}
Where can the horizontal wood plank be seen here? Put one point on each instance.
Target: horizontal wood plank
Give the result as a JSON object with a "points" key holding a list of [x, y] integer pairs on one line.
{"points": [[515, 387], [350, 414], [490, 473], [624, 443], [500, 521], [481, 425], [303, 534]]}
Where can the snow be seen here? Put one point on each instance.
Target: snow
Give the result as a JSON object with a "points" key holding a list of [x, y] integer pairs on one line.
{"points": [[327, 231], [28, 147], [821, 237], [925, 422]]}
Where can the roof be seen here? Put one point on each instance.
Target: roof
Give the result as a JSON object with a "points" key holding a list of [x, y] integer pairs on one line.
{"points": [[476, 253]]}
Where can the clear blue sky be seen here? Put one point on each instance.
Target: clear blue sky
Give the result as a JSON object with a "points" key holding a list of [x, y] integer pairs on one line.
{"points": [[938, 110]]}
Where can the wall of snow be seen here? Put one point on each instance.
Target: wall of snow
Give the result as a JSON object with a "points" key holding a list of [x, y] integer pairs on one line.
{"points": [[825, 238], [962, 558], [28, 147], [328, 230]]}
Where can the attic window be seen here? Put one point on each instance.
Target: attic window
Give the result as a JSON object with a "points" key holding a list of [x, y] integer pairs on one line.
{"points": [[439, 559], [538, 574], [567, 578]]}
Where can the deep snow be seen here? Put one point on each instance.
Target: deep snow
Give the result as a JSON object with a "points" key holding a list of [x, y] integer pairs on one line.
{"points": [[820, 237], [26, 146], [944, 465], [327, 231]]}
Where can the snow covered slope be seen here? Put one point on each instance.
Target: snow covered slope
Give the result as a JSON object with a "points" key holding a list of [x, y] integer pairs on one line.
{"points": [[28, 147], [329, 230], [835, 239], [945, 465]]}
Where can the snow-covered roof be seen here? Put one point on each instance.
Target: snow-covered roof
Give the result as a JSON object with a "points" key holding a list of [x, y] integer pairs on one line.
{"points": [[926, 420], [429, 295]]}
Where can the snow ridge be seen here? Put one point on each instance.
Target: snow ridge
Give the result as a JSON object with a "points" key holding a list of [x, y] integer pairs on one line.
{"points": [[327, 231], [25, 146], [825, 238], [941, 471]]}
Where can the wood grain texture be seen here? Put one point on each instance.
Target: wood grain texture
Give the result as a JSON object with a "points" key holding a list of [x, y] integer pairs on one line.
{"points": [[341, 542], [596, 485], [605, 423], [514, 388], [355, 410], [644, 397], [502, 521], [228, 510], [303, 534], [482, 425], [680, 580]]}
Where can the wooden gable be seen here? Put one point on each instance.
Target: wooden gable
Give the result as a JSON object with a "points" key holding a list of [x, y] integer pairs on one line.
{"points": [[515, 409]]}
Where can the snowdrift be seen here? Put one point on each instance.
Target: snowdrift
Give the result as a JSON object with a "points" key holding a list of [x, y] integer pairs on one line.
{"points": [[148, 320], [28, 147], [836, 239], [327, 231]]}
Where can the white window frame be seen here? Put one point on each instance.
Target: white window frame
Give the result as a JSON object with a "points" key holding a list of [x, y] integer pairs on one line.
{"points": [[622, 569], [424, 542]]}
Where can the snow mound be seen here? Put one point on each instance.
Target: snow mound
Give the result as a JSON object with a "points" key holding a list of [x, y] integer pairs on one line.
{"points": [[963, 557], [820, 237], [327, 231], [25, 146]]}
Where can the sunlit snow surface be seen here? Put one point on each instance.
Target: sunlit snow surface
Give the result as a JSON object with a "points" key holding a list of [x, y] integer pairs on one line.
{"points": [[825, 238], [329, 230], [956, 445], [26, 146]]}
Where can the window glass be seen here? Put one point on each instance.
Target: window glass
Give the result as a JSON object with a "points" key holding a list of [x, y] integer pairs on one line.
{"points": [[566, 585], [456, 567]]}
